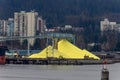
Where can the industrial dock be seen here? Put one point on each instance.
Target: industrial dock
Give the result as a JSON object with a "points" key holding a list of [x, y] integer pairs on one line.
{"points": [[55, 61]]}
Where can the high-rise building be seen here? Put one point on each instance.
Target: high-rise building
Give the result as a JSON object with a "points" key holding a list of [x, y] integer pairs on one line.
{"points": [[20, 23], [3, 27], [23, 24], [28, 24], [10, 27], [16, 24], [31, 25]]}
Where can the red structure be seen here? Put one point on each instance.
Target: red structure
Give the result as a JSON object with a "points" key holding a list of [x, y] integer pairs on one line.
{"points": [[2, 54]]}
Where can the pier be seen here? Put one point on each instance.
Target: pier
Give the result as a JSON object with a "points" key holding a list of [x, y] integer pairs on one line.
{"points": [[54, 61]]}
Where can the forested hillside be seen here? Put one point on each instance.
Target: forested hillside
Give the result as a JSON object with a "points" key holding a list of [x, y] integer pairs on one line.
{"points": [[78, 13], [60, 12]]}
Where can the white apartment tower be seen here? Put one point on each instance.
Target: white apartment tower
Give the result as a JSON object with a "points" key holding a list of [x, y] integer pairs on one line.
{"points": [[23, 24], [27, 24], [31, 25], [20, 23]]}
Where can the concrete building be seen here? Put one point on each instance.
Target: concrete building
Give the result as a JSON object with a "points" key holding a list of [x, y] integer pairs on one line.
{"points": [[41, 25], [31, 25], [117, 27], [10, 27], [28, 24], [20, 23], [23, 24], [3, 27], [16, 24], [107, 25]]}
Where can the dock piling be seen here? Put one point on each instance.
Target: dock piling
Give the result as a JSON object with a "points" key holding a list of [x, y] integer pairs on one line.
{"points": [[105, 72]]}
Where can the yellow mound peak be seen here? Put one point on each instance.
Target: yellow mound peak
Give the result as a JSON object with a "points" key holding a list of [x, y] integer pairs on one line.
{"points": [[74, 52], [69, 49]]}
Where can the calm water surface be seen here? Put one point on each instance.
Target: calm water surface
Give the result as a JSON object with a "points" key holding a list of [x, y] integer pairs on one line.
{"points": [[57, 72]]}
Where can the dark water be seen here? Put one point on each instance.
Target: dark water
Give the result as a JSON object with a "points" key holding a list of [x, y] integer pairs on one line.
{"points": [[54, 72]]}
